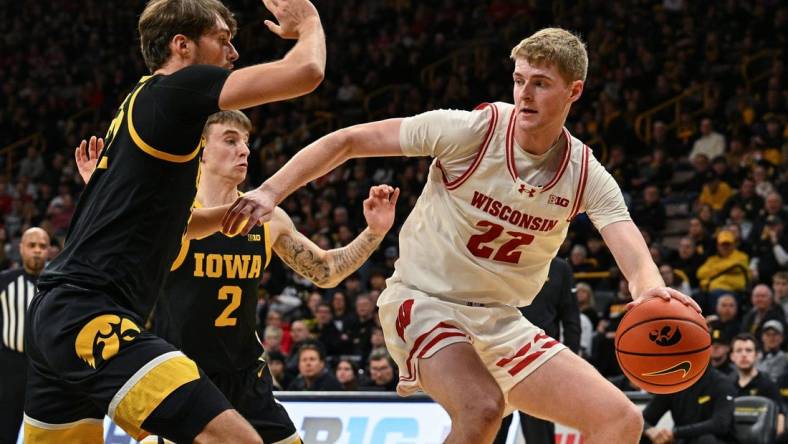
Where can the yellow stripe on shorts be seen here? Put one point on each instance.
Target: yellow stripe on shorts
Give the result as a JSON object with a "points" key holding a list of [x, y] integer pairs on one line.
{"points": [[85, 431], [144, 391]]}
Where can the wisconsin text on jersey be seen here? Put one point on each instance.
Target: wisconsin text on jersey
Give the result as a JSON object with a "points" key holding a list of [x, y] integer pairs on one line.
{"points": [[508, 214]]}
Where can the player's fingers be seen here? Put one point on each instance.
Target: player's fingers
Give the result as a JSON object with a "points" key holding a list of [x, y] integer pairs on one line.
{"points": [[100, 143], [394, 196], [273, 27], [230, 215]]}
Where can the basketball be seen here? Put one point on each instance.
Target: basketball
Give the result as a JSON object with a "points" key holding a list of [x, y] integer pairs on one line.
{"points": [[663, 346]]}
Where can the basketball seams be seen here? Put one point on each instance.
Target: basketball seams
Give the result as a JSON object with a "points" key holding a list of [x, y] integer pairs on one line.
{"points": [[620, 335], [688, 352]]}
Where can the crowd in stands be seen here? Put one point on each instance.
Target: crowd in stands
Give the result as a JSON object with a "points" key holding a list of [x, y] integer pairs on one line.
{"points": [[706, 187]]}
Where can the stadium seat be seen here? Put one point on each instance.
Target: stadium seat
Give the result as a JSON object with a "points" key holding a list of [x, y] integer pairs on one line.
{"points": [[755, 420]]}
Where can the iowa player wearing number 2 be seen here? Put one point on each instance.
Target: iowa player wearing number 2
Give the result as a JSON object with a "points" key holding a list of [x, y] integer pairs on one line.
{"points": [[209, 302], [505, 183], [88, 355]]}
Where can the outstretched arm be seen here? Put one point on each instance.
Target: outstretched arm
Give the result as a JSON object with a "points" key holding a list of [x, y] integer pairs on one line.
{"points": [[328, 268], [298, 73], [633, 258], [318, 158]]}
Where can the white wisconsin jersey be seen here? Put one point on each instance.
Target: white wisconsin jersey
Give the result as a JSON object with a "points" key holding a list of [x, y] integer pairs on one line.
{"points": [[478, 232]]}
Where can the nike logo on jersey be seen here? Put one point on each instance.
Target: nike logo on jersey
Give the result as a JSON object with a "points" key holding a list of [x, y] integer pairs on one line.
{"points": [[684, 366], [508, 214]]}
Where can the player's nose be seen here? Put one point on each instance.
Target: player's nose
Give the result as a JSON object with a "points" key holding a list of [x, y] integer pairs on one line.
{"points": [[233, 55]]}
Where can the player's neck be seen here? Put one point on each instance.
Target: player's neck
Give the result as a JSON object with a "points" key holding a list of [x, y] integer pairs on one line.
{"points": [[214, 192], [745, 376], [538, 142]]}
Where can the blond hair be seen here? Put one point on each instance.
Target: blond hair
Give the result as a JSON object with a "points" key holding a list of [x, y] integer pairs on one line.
{"points": [[555, 46], [163, 19], [230, 117]]}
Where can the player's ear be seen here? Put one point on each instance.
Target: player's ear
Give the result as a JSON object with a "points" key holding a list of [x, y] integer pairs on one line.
{"points": [[576, 90], [180, 45]]}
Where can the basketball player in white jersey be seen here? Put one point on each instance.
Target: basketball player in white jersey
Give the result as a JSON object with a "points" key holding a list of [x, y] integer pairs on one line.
{"points": [[504, 185]]}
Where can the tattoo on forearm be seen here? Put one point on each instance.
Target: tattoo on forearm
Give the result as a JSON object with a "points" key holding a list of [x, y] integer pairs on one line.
{"points": [[347, 259], [302, 260]]}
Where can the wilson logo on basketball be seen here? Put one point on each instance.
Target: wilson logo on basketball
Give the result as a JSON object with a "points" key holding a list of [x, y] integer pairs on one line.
{"points": [[664, 338], [101, 338]]}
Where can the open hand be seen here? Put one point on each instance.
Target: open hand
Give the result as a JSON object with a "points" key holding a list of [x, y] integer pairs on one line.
{"points": [[291, 15], [86, 155]]}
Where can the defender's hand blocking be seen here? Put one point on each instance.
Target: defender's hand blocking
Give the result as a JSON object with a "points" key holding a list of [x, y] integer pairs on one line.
{"points": [[291, 15], [254, 207], [665, 293], [379, 208], [86, 158]]}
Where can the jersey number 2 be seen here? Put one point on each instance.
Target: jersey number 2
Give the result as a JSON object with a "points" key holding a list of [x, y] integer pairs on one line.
{"points": [[234, 294], [506, 253]]}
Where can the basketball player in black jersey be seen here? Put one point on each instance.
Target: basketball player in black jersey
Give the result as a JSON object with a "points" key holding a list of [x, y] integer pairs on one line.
{"points": [[207, 308], [88, 354]]}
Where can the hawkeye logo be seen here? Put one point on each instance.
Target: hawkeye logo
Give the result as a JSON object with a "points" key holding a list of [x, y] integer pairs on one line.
{"points": [[664, 338], [100, 339], [684, 366]]}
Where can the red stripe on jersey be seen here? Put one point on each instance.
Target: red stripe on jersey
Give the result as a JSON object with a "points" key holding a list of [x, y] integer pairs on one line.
{"points": [[510, 146], [564, 163], [530, 358], [411, 374], [479, 154], [403, 317], [581, 184]]}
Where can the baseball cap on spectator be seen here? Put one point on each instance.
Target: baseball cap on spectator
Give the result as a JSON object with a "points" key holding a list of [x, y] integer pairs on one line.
{"points": [[725, 236], [773, 324]]}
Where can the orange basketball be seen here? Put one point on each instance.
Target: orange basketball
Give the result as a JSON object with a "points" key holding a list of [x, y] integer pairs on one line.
{"points": [[663, 346]]}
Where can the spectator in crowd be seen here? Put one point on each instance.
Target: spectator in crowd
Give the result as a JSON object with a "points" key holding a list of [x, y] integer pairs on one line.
{"points": [[276, 365], [335, 342], [747, 199], [603, 356], [688, 259], [715, 192], [725, 318], [702, 413], [649, 212], [726, 271], [299, 332], [763, 310], [586, 302], [710, 143], [747, 380], [343, 318], [347, 374], [780, 289], [361, 330], [774, 361], [770, 251], [312, 372], [673, 280], [382, 376], [272, 339]]}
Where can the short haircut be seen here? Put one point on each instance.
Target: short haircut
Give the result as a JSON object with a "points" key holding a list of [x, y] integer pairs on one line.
{"points": [[555, 46], [164, 19], [746, 336], [782, 275], [380, 354], [311, 346], [230, 117]]}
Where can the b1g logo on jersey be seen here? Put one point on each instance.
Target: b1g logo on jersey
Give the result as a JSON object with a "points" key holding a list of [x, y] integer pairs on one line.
{"points": [[101, 338], [558, 200]]}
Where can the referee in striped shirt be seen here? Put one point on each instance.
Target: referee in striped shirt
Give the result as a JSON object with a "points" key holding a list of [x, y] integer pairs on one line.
{"points": [[17, 288]]}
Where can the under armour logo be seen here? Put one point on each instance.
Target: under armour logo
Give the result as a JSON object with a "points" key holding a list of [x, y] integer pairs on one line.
{"points": [[523, 190]]}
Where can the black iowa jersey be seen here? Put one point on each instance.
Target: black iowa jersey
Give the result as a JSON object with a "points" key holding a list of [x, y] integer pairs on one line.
{"points": [[127, 226], [208, 307]]}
